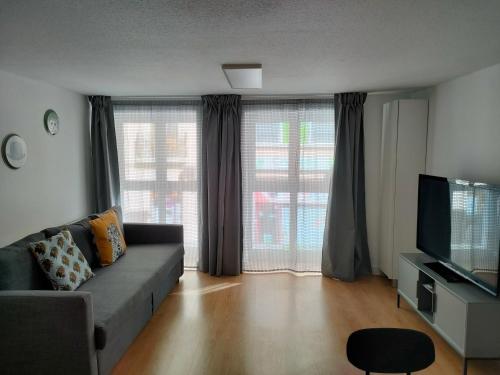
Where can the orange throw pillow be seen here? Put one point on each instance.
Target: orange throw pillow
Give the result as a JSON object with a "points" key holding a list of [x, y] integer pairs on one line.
{"points": [[108, 237]]}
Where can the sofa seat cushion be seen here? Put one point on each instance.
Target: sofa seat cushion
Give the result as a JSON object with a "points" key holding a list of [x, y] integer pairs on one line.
{"points": [[117, 290]]}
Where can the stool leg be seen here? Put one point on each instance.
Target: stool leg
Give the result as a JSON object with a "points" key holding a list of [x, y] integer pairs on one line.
{"points": [[399, 300], [465, 366]]}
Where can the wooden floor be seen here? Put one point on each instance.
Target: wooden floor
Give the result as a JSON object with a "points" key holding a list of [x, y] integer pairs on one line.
{"points": [[273, 324]]}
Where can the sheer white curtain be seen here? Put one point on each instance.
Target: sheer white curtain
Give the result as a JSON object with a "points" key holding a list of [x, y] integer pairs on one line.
{"points": [[287, 158], [158, 152], [475, 219]]}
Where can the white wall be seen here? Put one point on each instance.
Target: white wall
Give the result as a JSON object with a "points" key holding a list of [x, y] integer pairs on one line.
{"points": [[53, 186], [464, 127]]}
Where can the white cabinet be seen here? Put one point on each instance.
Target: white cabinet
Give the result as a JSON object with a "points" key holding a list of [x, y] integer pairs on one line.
{"points": [[464, 315], [408, 284], [450, 316], [403, 154]]}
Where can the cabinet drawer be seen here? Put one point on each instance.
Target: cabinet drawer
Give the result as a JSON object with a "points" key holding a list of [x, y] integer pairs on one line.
{"points": [[451, 316], [407, 282]]}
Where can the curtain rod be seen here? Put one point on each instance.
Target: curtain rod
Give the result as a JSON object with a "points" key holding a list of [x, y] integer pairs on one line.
{"points": [[198, 97], [247, 97]]}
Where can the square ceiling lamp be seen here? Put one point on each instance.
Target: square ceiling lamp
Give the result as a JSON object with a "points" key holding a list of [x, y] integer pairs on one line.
{"points": [[243, 76]]}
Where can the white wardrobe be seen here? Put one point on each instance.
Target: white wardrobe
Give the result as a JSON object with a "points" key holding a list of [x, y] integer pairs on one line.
{"points": [[403, 155]]}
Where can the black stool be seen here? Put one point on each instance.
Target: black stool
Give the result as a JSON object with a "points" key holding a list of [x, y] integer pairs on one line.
{"points": [[390, 350]]}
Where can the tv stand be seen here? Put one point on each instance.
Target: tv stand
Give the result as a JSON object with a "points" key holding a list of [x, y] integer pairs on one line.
{"points": [[443, 271], [465, 316]]}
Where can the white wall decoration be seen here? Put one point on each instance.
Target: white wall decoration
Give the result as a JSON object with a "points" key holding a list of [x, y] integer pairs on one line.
{"points": [[14, 151]]}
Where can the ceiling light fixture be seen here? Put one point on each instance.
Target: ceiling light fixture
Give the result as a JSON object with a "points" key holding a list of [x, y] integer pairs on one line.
{"points": [[243, 76]]}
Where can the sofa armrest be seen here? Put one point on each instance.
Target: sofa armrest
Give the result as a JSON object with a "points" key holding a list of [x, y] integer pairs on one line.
{"points": [[153, 233], [46, 331]]}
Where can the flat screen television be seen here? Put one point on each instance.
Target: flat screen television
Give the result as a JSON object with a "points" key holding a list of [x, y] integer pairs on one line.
{"points": [[459, 225]]}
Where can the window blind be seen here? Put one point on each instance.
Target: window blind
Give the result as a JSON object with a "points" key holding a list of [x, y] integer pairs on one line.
{"points": [[287, 159], [158, 151]]}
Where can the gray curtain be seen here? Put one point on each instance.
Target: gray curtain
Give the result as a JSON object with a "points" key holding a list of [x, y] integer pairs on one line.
{"points": [[345, 247], [221, 248], [106, 178]]}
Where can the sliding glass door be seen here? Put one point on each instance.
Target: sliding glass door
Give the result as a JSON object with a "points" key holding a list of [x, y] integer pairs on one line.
{"points": [[287, 158]]}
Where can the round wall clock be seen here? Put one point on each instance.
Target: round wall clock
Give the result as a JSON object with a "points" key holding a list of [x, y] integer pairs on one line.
{"points": [[51, 121], [14, 151]]}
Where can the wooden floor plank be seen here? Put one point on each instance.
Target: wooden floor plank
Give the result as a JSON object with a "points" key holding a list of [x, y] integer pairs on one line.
{"points": [[273, 324]]}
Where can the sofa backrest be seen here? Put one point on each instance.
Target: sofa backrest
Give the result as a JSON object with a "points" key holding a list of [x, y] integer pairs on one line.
{"points": [[20, 271], [18, 268], [82, 235]]}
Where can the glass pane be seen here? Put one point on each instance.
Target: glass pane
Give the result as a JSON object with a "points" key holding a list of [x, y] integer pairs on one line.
{"points": [[276, 134], [271, 151], [138, 151], [271, 159], [271, 220], [181, 151], [317, 159], [189, 217], [317, 147], [182, 208], [139, 207], [174, 208], [315, 133], [311, 213]]}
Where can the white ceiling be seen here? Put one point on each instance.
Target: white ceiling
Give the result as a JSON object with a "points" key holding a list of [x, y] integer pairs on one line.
{"points": [[155, 47]]}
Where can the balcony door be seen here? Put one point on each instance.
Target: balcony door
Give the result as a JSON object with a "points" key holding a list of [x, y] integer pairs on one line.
{"points": [[287, 159], [158, 152]]}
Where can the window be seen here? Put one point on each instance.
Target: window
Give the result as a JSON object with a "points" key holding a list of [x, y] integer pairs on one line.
{"points": [[158, 151], [287, 158]]}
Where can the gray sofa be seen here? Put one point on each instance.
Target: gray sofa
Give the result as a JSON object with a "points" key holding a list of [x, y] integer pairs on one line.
{"points": [[86, 331]]}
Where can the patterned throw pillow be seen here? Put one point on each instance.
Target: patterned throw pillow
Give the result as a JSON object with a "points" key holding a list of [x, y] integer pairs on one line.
{"points": [[108, 237], [62, 261]]}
